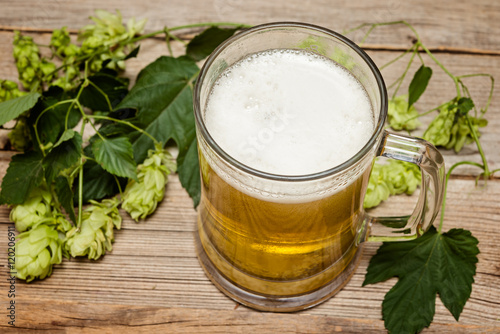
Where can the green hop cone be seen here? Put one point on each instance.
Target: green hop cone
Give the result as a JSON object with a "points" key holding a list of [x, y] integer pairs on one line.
{"points": [[400, 117], [392, 178], [33, 71], [27, 56], [141, 197], [403, 177], [96, 235], [9, 90], [60, 40], [439, 131], [69, 53], [378, 190], [109, 37], [37, 250], [450, 130], [36, 209]]}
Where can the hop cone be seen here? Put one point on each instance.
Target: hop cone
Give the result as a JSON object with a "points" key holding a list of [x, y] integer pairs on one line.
{"points": [[378, 189], [9, 90], [36, 251], [36, 209], [109, 31], [395, 177], [31, 67], [141, 198], [450, 128], [400, 117], [95, 236]]}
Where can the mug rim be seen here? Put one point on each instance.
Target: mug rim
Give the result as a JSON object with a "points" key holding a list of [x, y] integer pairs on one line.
{"points": [[278, 177]]}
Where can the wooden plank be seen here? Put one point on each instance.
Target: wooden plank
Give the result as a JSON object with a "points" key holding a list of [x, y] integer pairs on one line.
{"points": [[440, 88], [47, 315], [464, 25], [154, 264], [152, 279]]}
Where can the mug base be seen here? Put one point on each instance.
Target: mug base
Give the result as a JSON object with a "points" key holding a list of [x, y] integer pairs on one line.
{"points": [[265, 302]]}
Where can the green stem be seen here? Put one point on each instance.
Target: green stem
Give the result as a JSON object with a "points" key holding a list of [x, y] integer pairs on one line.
{"points": [[80, 195], [119, 186], [189, 26], [397, 58], [454, 78], [423, 114], [108, 102], [167, 41], [125, 123], [479, 147], [402, 77], [492, 87], [374, 25], [35, 125], [443, 205]]}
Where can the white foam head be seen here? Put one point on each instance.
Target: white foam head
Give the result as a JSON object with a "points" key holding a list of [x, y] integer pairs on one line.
{"points": [[289, 112]]}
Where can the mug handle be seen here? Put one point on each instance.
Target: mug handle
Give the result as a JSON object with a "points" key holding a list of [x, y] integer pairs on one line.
{"points": [[431, 163]]}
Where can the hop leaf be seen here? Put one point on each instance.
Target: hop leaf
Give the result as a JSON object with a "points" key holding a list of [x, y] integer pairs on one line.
{"points": [[141, 197], [434, 263], [401, 117], [96, 235], [33, 211], [395, 177], [36, 251]]}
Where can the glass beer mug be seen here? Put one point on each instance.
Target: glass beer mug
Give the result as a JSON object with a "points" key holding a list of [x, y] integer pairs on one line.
{"points": [[278, 242]]}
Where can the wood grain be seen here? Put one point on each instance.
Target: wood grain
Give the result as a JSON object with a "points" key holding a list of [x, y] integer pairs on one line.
{"points": [[52, 316], [440, 88], [152, 281], [465, 25], [154, 264]]}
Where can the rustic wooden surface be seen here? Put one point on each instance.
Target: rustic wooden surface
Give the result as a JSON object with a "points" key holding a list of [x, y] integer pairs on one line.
{"points": [[152, 280]]}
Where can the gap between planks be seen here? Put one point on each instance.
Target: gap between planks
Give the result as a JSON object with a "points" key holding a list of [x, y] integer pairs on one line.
{"points": [[368, 46]]}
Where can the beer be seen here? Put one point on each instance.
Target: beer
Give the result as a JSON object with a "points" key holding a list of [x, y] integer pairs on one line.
{"points": [[287, 113]]}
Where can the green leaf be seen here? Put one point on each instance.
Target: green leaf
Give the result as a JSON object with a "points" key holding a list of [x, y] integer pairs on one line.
{"points": [[51, 124], [418, 84], [115, 155], [65, 196], [189, 172], [133, 53], [104, 92], [97, 183], [202, 45], [434, 263], [163, 97], [10, 109], [64, 154], [25, 172], [464, 105]]}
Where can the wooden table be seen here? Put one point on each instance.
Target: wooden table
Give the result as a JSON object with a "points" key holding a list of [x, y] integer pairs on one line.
{"points": [[152, 280]]}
